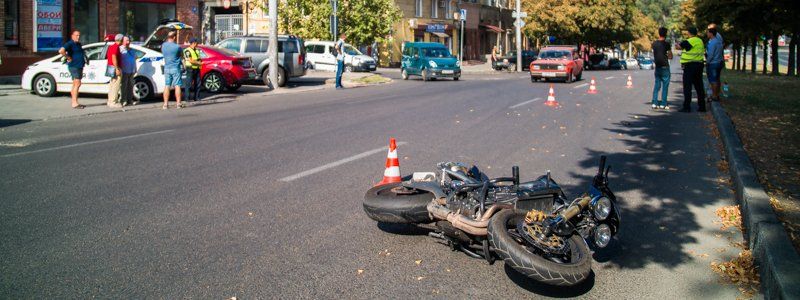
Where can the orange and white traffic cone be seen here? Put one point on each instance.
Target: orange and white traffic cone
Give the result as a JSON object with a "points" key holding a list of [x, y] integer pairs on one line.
{"points": [[392, 172], [551, 98], [592, 87], [630, 82]]}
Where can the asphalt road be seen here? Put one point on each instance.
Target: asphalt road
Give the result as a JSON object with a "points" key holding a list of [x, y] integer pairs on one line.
{"points": [[191, 203]]}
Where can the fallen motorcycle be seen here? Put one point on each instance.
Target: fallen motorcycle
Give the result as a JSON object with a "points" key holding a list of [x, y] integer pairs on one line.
{"points": [[530, 225]]}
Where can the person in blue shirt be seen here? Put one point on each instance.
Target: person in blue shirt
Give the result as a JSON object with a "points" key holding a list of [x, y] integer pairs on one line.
{"points": [[172, 69], [128, 62], [714, 60], [76, 60]]}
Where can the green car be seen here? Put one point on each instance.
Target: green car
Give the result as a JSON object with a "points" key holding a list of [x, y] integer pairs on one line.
{"points": [[429, 60]]}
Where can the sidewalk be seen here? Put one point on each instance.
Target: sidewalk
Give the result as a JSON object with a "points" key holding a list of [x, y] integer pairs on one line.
{"points": [[21, 105]]}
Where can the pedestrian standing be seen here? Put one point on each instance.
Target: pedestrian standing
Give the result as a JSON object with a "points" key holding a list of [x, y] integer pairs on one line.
{"points": [[114, 70], [192, 63], [172, 70], [76, 60], [494, 57], [662, 55], [128, 56], [339, 47], [715, 60], [692, 63]]}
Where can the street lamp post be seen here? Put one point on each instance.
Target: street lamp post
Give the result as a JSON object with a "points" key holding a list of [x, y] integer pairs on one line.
{"points": [[519, 35], [273, 44]]}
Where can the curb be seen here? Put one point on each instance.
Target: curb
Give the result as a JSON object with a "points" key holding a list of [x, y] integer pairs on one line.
{"points": [[774, 254]]}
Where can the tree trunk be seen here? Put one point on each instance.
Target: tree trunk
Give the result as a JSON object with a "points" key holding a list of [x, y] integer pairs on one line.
{"points": [[775, 62], [792, 50], [753, 47], [764, 51], [736, 56], [743, 60]]}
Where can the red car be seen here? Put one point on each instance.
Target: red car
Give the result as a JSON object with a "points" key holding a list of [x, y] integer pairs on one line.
{"points": [[557, 62], [224, 69]]}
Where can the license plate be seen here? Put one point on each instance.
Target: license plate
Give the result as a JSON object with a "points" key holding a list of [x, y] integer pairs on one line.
{"points": [[549, 74], [447, 71], [251, 75]]}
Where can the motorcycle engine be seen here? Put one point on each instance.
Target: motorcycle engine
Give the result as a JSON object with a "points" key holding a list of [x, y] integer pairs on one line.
{"points": [[464, 203]]}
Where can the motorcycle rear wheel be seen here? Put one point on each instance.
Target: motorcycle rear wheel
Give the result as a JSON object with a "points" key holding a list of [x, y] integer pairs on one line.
{"points": [[518, 255], [391, 203]]}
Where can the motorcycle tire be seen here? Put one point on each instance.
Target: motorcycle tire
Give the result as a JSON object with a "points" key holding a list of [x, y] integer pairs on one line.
{"points": [[383, 204], [534, 266]]}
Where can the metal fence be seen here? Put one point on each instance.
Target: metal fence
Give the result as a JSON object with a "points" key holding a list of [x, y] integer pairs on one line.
{"points": [[227, 25]]}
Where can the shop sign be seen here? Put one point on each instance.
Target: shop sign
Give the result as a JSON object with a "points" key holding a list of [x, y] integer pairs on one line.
{"points": [[435, 28], [48, 25]]}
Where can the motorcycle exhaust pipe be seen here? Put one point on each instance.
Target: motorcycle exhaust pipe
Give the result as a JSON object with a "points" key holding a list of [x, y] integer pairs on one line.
{"points": [[471, 226]]}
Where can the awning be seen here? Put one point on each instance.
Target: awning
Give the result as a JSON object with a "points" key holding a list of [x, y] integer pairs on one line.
{"points": [[441, 34], [492, 28]]}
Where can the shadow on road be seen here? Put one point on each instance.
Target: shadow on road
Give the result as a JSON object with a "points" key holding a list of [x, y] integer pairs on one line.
{"points": [[670, 164], [12, 122]]}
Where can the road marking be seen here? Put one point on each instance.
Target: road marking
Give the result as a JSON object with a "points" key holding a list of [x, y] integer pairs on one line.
{"points": [[87, 143], [523, 103], [580, 86], [609, 77], [335, 164]]}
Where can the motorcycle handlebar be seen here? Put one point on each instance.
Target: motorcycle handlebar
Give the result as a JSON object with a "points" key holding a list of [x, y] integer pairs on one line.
{"points": [[602, 165]]}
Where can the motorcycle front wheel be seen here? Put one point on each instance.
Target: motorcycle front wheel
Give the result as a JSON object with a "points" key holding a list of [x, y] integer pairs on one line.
{"points": [[567, 270]]}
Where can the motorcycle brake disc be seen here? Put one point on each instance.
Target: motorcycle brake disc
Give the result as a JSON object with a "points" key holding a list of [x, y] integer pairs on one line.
{"points": [[534, 234]]}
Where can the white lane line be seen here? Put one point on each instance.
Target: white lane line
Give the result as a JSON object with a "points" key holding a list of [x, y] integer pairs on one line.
{"points": [[609, 77], [523, 103], [335, 164], [580, 86], [88, 143]]}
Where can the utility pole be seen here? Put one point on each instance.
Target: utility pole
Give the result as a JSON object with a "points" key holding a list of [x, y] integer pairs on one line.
{"points": [[273, 44], [335, 20], [519, 25]]}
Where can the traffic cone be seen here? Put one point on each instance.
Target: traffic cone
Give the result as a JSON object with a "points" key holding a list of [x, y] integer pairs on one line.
{"points": [[551, 98], [592, 88], [630, 82], [392, 172]]}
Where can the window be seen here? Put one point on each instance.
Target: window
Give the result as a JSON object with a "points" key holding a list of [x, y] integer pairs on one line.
{"points": [[289, 47], [256, 46], [86, 19], [434, 9], [418, 9], [231, 44], [138, 54], [94, 53], [139, 18], [319, 49], [11, 23], [448, 9]]}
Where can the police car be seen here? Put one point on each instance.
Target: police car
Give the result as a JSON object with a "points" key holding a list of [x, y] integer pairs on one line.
{"points": [[46, 77]]}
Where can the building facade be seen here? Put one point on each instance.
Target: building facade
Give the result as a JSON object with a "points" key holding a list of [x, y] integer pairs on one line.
{"points": [[35, 29]]}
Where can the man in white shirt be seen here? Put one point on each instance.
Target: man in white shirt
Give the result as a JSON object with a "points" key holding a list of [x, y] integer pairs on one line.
{"points": [[340, 60]]}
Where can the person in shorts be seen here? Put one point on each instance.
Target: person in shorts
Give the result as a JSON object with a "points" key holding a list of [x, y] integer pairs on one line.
{"points": [[172, 69], [714, 60], [76, 60]]}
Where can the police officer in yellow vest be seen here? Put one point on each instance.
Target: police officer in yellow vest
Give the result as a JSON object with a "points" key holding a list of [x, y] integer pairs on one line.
{"points": [[192, 62], [692, 57]]}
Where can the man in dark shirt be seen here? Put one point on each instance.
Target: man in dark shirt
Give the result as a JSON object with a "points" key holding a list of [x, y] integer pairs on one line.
{"points": [[76, 59], [662, 55]]}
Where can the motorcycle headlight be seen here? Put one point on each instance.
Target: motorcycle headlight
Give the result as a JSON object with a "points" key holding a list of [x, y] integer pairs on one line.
{"points": [[537, 67], [602, 235], [560, 67], [601, 208], [432, 64]]}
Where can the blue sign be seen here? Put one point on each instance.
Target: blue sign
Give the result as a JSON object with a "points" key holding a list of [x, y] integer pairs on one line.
{"points": [[435, 28], [463, 14], [47, 25]]}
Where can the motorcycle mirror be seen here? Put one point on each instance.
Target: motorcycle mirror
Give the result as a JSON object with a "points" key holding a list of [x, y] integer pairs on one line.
{"points": [[548, 178], [515, 174]]}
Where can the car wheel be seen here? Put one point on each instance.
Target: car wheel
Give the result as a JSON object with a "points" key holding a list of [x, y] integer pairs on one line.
{"points": [[533, 79], [348, 69], [404, 74], [44, 85], [142, 89], [281, 77], [425, 75], [233, 87], [579, 76], [214, 83], [455, 78]]}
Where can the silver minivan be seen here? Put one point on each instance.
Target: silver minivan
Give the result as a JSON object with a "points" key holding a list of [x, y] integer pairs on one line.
{"points": [[291, 55]]}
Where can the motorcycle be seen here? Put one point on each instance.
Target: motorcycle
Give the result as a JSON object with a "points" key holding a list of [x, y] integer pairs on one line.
{"points": [[530, 225]]}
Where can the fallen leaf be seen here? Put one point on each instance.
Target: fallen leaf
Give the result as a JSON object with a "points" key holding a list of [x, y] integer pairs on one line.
{"points": [[420, 278], [418, 262], [360, 271]]}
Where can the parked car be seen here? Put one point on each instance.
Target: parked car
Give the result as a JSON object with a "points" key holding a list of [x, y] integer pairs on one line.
{"points": [[224, 69], [429, 60], [616, 64], [562, 62], [291, 55], [631, 63], [597, 61], [48, 76], [726, 54], [320, 56], [646, 64], [509, 61]]}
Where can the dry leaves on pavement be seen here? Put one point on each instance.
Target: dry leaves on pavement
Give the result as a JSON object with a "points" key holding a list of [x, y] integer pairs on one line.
{"points": [[740, 271], [730, 216]]}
